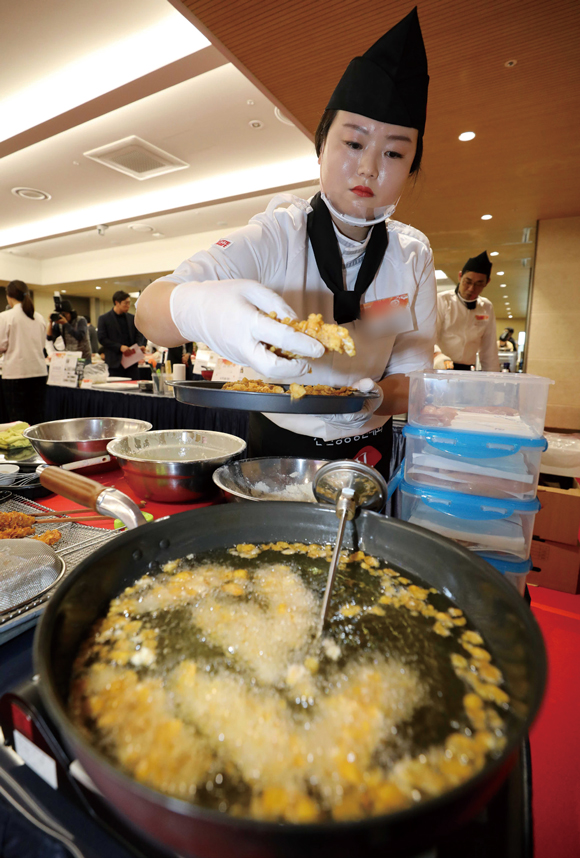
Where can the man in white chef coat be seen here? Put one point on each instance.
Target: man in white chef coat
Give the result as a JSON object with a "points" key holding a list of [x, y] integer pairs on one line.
{"points": [[466, 321]]}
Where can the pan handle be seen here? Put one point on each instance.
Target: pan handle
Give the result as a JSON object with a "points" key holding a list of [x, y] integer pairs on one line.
{"points": [[89, 493]]}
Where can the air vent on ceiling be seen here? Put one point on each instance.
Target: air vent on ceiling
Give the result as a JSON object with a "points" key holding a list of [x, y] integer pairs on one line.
{"points": [[137, 158]]}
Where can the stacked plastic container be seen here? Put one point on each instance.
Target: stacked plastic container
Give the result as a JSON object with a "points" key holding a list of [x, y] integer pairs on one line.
{"points": [[473, 447]]}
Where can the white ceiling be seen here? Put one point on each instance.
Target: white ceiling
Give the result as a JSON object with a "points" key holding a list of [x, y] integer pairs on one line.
{"points": [[203, 120]]}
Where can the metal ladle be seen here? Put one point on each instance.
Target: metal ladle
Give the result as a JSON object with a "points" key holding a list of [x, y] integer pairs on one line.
{"points": [[351, 486]]}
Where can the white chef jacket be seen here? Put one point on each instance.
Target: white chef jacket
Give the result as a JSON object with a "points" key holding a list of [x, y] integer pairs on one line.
{"points": [[274, 250], [462, 333], [22, 341]]}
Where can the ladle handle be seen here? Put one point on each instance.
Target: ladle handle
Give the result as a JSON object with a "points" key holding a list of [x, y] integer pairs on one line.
{"points": [[73, 486], [343, 514]]}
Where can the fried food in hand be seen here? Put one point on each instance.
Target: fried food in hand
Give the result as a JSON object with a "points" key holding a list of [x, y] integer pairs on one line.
{"points": [[334, 338], [49, 537]]}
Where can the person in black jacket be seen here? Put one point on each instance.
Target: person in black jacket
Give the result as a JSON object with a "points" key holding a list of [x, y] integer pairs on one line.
{"points": [[117, 333]]}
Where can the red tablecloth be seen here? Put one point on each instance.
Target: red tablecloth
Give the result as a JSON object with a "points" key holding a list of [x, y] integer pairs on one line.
{"points": [[116, 480]]}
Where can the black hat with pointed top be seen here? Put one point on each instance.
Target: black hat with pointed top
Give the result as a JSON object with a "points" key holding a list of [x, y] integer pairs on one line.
{"points": [[389, 82], [478, 264]]}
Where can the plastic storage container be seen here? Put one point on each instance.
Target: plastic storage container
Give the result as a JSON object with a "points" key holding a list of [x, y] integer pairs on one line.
{"points": [[479, 523], [501, 466], [513, 569], [490, 402]]}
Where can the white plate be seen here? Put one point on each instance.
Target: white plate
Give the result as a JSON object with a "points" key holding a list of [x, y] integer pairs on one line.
{"points": [[119, 385]]}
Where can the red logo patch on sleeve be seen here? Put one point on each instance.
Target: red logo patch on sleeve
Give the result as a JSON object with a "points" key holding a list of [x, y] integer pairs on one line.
{"points": [[223, 242]]}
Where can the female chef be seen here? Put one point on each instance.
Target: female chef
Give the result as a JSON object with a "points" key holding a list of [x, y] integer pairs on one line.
{"points": [[338, 255]]}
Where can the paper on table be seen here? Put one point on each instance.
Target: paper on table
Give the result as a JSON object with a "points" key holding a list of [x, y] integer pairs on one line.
{"points": [[134, 357]]}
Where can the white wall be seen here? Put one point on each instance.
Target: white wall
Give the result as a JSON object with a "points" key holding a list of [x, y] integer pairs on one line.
{"points": [[159, 255]]}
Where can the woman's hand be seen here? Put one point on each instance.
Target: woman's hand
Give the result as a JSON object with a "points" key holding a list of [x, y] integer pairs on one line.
{"points": [[231, 317]]}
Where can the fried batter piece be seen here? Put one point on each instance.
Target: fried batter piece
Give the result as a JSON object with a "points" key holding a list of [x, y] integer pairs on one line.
{"points": [[334, 338], [297, 391], [49, 537], [15, 519]]}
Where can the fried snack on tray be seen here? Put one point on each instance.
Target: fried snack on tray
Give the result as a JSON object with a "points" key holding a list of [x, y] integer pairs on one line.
{"points": [[296, 391], [253, 386], [15, 519], [17, 525], [16, 532], [334, 338]]}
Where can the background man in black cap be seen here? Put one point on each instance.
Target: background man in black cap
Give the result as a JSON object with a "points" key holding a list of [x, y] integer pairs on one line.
{"points": [[466, 320]]}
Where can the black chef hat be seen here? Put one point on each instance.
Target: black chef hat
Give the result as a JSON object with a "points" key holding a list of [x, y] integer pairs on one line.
{"points": [[478, 264], [389, 82], [66, 307]]}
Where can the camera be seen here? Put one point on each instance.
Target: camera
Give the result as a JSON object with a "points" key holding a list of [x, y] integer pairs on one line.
{"points": [[54, 317]]}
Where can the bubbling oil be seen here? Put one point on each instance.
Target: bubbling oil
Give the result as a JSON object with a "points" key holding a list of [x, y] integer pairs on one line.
{"points": [[206, 681]]}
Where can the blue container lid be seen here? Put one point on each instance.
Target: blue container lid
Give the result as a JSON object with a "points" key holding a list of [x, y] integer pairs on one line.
{"points": [[473, 444], [475, 507], [507, 563]]}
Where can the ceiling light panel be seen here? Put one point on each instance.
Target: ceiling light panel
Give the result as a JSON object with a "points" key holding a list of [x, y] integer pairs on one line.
{"points": [[100, 72], [136, 158]]}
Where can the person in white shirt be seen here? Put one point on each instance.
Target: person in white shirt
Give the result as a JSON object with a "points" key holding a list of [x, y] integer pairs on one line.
{"points": [[466, 321], [22, 339], [338, 255]]}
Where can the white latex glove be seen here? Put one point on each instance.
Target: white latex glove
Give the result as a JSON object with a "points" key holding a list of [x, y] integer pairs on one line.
{"points": [[357, 419], [225, 315], [441, 361]]}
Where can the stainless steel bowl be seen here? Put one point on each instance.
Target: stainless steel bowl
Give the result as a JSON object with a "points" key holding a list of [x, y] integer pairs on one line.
{"points": [[175, 465], [61, 442], [268, 478]]}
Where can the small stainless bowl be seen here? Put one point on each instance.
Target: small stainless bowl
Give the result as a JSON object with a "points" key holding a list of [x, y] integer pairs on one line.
{"points": [[61, 442], [175, 466], [268, 478]]}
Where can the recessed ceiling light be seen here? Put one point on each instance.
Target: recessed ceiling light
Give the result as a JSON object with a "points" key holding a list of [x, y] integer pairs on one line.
{"points": [[63, 291], [280, 116], [467, 135], [256, 123], [502, 285], [510, 317], [494, 253], [97, 287], [510, 64], [140, 227], [31, 194], [158, 235], [499, 273], [486, 217], [440, 275]]}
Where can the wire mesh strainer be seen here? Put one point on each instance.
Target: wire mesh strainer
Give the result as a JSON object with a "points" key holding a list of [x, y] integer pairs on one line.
{"points": [[28, 568]]}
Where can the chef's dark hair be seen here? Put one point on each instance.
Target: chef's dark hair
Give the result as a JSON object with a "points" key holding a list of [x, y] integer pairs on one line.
{"points": [[326, 121], [120, 296], [19, 290]]}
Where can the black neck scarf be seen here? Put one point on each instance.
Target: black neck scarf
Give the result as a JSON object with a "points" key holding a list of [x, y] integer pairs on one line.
{"points": [[329, 260], [471, 305]]}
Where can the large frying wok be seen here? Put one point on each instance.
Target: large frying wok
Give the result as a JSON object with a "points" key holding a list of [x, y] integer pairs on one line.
{"points": [[494, 607]]}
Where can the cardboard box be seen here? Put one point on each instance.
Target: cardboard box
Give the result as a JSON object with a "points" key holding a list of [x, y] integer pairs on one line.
{"points": [[559, 518], [556, 566]]}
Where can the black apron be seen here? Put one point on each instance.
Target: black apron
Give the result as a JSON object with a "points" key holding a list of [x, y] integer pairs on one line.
{"points": [[372, 447]]}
